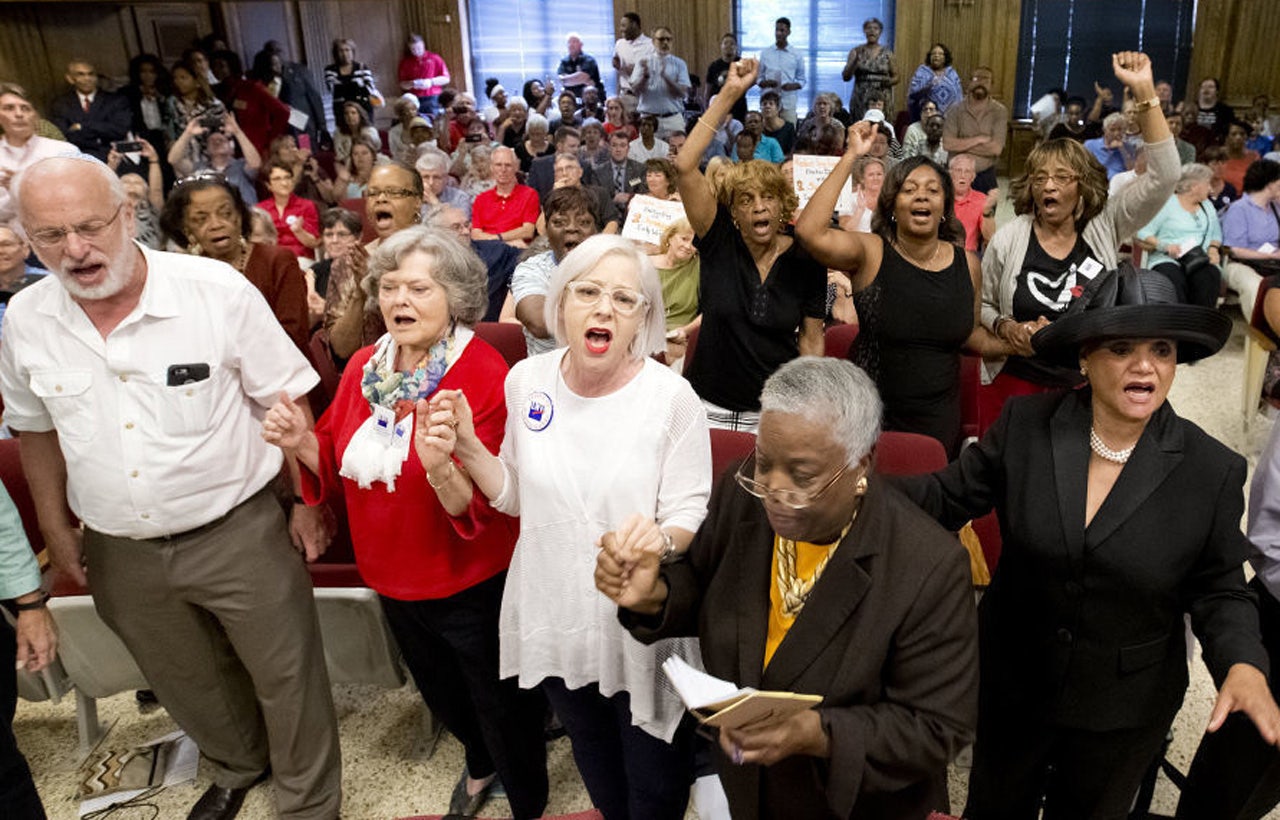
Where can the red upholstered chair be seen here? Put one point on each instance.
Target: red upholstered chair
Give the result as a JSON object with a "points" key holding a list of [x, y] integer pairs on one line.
{"points": [[728, 447], [909, 454], [1259, 342], [838, 339], [506, 337], [356, 206]]}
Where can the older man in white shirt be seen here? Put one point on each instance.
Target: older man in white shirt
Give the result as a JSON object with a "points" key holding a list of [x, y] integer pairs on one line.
{"points": [[136, 380]]}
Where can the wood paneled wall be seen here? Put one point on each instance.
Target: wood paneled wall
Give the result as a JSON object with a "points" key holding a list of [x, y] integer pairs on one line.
{"points": [[983, 32], [1235, 41]]}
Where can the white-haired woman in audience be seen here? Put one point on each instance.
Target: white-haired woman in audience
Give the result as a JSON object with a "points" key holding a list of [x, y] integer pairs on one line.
{"points": [[511, 130], [435, 551], [811, 576], [1184, 240], [536, 143], [1066, 233], [601, 393]]}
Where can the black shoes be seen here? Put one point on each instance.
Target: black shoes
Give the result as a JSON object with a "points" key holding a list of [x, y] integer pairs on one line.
{"points": [[218, 803], [462, 804]]}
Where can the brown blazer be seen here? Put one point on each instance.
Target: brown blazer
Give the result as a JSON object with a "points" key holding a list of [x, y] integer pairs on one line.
{"points": [[888, 638]]}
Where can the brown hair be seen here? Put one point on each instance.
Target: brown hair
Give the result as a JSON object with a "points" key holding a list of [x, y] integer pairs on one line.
{"points": [[1092, 178], [757, 175]]}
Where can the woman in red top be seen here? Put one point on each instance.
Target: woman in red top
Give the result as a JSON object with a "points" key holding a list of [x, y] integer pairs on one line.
{"points": [[430, 545], [296, 219]]}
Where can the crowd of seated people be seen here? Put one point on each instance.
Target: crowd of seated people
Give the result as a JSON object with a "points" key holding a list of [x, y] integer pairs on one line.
{"points": [[381, 250]]}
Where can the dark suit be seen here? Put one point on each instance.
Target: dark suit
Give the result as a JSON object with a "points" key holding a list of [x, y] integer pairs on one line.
{"points": [[108, 120], [542, 175], [887, 637], [633, 182], [298, 90], [1082, 630]]}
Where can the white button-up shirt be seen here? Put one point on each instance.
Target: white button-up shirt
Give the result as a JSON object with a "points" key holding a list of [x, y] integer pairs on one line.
{"points": [[146, 458], [785, 66]]}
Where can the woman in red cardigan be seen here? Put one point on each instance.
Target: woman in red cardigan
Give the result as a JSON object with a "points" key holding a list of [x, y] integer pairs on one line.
{"points": [[429, 545]]}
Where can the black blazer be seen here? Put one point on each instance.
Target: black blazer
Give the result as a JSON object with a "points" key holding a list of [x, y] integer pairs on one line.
{"points": [[888, 638], [1082, 627], [108, 120]]}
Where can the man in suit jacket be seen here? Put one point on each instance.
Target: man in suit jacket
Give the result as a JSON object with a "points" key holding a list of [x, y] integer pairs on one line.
{"points": [[622, 177], [91, 119], [298, 90], [883, 628], [542, 173]]}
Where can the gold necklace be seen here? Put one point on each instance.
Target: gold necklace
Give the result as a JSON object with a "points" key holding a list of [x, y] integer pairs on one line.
{"points": [[937, 246], [792, 589]]}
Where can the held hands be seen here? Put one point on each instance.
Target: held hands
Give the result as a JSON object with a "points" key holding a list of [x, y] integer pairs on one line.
{"points": [[1133, 68], [1245, 690], [1018, 335], [309, 531], [285, 425], [462, 421], [742, 75], [628, 563], [434, 435], [766, 743]]}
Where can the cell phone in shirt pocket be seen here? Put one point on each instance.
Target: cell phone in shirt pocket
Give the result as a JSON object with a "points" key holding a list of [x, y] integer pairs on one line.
{"points": [[179, 374]]}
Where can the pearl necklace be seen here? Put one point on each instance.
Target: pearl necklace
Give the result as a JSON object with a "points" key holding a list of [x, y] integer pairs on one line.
{"points": [[1115, 456]]}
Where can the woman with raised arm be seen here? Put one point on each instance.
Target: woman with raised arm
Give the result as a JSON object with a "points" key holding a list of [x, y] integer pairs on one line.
{"points": [[763, 297], [915, 287]]}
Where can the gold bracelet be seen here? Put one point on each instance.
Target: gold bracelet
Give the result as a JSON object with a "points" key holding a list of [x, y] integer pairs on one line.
{"points": [[1154, 102], [436, 486], [708, 127]]}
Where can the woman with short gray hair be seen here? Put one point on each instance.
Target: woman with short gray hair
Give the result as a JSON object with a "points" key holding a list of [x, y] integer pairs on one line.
{"points": [[1184, 241], [810, 575], [604, 446], [435, 552]]}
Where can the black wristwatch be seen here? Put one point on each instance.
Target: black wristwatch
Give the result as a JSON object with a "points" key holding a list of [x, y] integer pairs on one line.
{"points": [[38, 603]]}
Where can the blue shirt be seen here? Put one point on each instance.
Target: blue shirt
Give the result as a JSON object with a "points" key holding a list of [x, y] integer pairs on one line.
{"points": [[1175, 225], [1246, 224], [19, 571], [1113, 159]]}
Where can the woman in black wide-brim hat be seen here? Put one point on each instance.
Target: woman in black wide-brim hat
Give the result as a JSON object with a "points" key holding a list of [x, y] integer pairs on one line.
{"points": [[1117, 517]]}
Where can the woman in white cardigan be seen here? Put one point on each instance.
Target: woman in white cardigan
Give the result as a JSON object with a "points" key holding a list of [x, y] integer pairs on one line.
{"points": [[1067, 232]]}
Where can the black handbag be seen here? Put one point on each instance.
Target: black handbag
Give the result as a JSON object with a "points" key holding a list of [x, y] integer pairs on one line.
{"points": [[1196, 258]]}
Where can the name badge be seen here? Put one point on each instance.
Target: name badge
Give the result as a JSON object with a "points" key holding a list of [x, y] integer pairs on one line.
{"points": [[1089, 268], [384, 423]]}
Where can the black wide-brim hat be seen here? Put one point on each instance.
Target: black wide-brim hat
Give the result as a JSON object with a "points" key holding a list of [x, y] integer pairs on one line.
{"points": [[1132, 304]]}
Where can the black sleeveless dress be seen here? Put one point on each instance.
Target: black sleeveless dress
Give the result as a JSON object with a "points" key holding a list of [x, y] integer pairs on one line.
{"points": [[914, 323]]}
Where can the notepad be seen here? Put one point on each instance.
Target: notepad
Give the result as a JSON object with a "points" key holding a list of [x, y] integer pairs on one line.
{"points": [[720, 703]]}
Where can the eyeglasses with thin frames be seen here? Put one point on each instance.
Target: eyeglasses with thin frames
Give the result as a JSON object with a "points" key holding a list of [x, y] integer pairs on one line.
{"points": [[625, 301], [92, 229], [794, 499], [389, 193]]}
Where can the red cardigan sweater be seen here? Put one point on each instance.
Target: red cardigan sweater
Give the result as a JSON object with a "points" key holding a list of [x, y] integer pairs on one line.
{"points": [[407, 547]]}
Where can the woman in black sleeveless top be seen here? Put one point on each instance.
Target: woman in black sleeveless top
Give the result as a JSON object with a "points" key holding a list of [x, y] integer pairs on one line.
{"points": [[915, 288]]}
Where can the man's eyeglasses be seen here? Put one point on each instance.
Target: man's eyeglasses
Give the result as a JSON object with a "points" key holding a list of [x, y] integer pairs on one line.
{"points": [[625, 301], [92, 229], [795, 499]]}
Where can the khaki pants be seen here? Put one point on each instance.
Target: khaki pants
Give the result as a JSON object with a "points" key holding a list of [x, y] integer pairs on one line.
{"points": [[222, 622]]}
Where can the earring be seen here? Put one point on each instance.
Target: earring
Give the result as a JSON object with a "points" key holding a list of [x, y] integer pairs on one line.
{"points": [[861, 487], [193, 246], [1084, 370]]}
